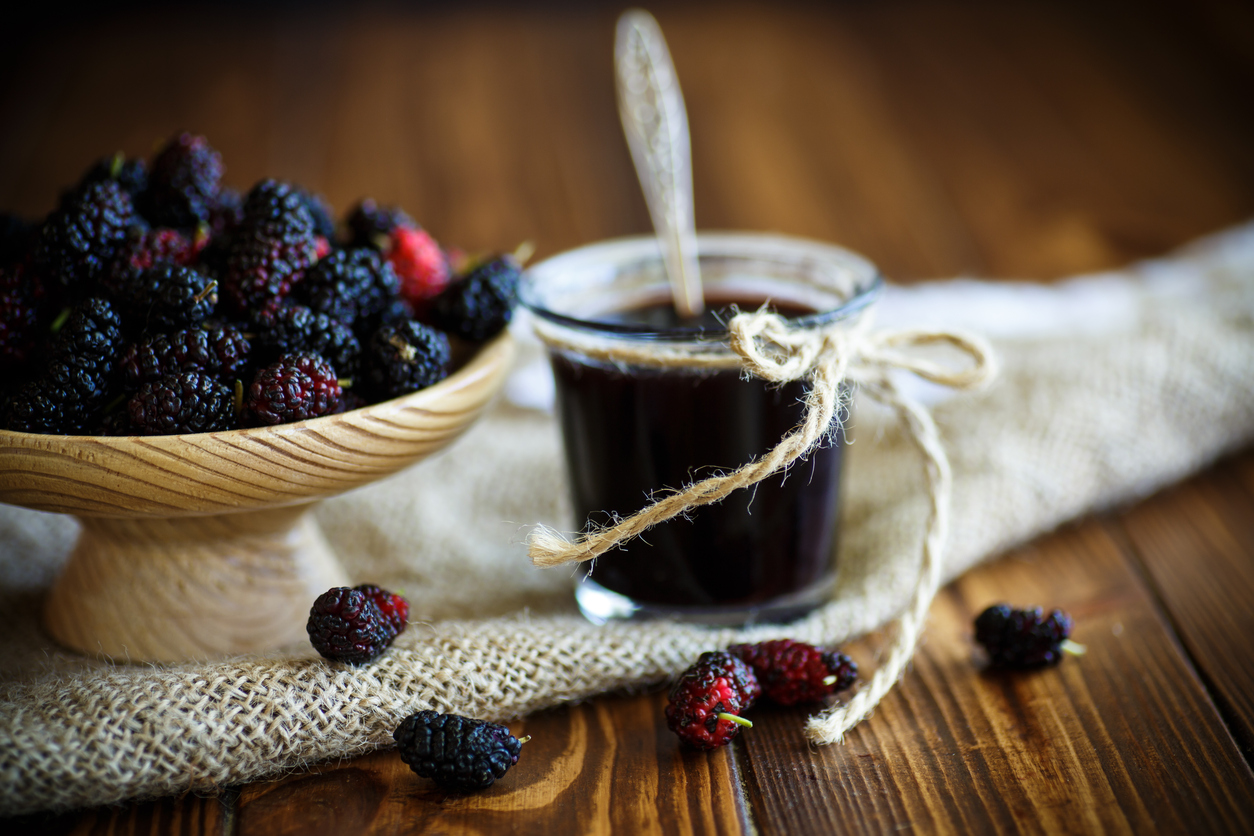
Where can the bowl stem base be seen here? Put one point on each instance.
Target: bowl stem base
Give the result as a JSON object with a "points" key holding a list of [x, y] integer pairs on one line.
{"points": [[177, 588]]}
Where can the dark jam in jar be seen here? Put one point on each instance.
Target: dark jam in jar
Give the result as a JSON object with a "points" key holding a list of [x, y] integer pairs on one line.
{"points": [[634, 432]]}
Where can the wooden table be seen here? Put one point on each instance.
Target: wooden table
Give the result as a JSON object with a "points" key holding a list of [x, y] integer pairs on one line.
{"points": [[998, 139]]}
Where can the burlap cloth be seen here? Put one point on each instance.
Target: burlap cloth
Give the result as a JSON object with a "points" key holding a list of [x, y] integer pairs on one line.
{"points": [[1095, 412]]}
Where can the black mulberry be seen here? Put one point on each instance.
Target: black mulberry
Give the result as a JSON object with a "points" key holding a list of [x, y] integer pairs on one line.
{"points": [[186, 402], [1022, 638], [295, 329], [183, 183], [90, 338], [480, 304], [349, 285], [19, 320], [262, 265], [458, 753], [280, 205], [131, 175], [221, 352], [78, 241], [793, 672], [320, 212], [167, 297], [64, 400], [345, 625], [404, 358]]}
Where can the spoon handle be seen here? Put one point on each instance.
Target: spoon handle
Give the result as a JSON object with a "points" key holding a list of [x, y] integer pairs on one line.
{"points": [[651, 108]]}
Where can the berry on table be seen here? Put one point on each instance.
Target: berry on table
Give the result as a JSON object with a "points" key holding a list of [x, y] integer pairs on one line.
{"points": [[705, 704], [1026, 638], [739, 674], [793, 672], [458, 753], [346, 625]]}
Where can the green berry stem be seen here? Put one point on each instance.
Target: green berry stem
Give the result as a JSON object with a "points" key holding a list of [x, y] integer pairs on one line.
{"points": [[61, 319], [1074, 648], [523, 740], [740, 721]]}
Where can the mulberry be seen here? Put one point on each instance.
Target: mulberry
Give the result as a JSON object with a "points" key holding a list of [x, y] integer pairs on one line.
{"points": [[458, 753], [345, 625], [480, 304], [794, 672], [705, 704], [183, 183]]}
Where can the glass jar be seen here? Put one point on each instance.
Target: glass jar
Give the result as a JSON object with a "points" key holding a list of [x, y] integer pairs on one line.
{"points": [[649, 403]]}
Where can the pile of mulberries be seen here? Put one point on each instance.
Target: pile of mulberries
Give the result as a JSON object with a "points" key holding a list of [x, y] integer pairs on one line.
{"points": [[792, 672], [706, 704], [155, 299]]}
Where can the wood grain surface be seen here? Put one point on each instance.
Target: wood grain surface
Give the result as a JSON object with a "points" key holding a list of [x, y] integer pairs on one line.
{"points": [[999, 139], [1083, 747], [1196, 544]]}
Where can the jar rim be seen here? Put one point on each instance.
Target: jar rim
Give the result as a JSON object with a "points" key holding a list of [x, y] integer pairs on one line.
{"points": [[637, 253]]}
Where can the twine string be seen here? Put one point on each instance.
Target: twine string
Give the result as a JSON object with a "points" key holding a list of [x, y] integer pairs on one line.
{"points": [[830, 726], [765, 346]]}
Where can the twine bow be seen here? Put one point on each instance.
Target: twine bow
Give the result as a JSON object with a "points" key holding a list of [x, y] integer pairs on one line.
{"points": [[765, 346]]}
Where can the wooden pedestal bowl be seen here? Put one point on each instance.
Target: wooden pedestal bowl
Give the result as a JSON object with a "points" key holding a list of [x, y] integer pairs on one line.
{"points": [[202, 545]]}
